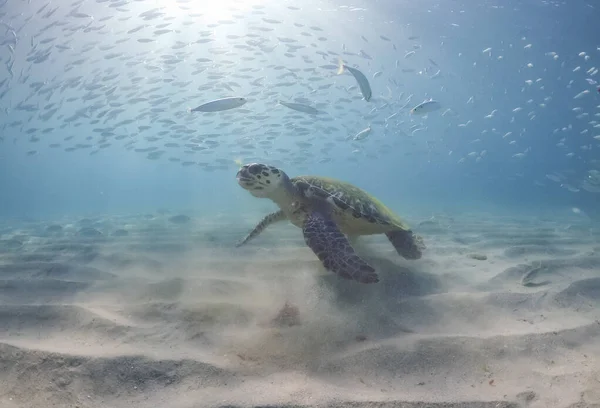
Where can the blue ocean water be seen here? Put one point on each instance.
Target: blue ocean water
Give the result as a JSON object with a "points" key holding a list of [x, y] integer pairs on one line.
{"points": [[123, 278], [90, 89]]}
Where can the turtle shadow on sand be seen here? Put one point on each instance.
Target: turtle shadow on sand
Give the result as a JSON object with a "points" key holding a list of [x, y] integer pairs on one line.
{"points": [[386, 308], [396, 282]]}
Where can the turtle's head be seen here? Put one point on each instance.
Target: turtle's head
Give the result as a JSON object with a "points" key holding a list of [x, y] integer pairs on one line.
{"points": [[262, 180]]}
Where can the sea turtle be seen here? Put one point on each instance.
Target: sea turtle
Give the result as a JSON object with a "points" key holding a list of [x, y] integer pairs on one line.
{"points": [[328, 211]]}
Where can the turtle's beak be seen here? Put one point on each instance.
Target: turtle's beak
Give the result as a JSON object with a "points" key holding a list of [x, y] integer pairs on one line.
{"points": [[243, 176]]}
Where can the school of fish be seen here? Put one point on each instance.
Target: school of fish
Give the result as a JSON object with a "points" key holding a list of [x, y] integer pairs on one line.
{"points": [[177, 83]]}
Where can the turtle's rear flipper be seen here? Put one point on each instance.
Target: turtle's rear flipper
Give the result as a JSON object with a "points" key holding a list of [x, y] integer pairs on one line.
{"points": [[264, 223], [322, 235], [407, 244]]}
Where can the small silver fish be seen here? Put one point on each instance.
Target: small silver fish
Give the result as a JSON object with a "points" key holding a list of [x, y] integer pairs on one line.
{"points": [[425, 107], [300, 107], [581, 94], [220, 105], [362, 134], [362, 80]]}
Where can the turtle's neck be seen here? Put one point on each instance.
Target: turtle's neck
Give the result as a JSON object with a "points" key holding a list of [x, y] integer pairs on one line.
{"points": [[285, 196]]}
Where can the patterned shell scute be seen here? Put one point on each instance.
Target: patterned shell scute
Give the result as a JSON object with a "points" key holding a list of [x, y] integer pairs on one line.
{"points": [[348, 198]]}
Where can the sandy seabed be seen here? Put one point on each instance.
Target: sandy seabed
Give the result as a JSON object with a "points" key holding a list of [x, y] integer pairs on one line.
{"points": [[162, 311]]}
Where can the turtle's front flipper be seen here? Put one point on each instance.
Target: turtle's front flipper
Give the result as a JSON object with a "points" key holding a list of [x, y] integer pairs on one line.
{"points": [[322, 235], [264, 223]]}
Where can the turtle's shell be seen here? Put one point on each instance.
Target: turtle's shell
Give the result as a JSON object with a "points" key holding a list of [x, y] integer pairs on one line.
{"points": [[357, 211]]}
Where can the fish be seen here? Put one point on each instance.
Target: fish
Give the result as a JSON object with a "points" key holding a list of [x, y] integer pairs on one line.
{"points": [[581, 94], [362, 80], [362, 134], [220, 105], [300, 107], [135, 88], [425, 107]]}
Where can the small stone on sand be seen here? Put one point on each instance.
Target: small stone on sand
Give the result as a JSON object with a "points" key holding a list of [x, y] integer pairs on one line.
{"points": [[288, 316], [478, 257], [180, 219]]}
